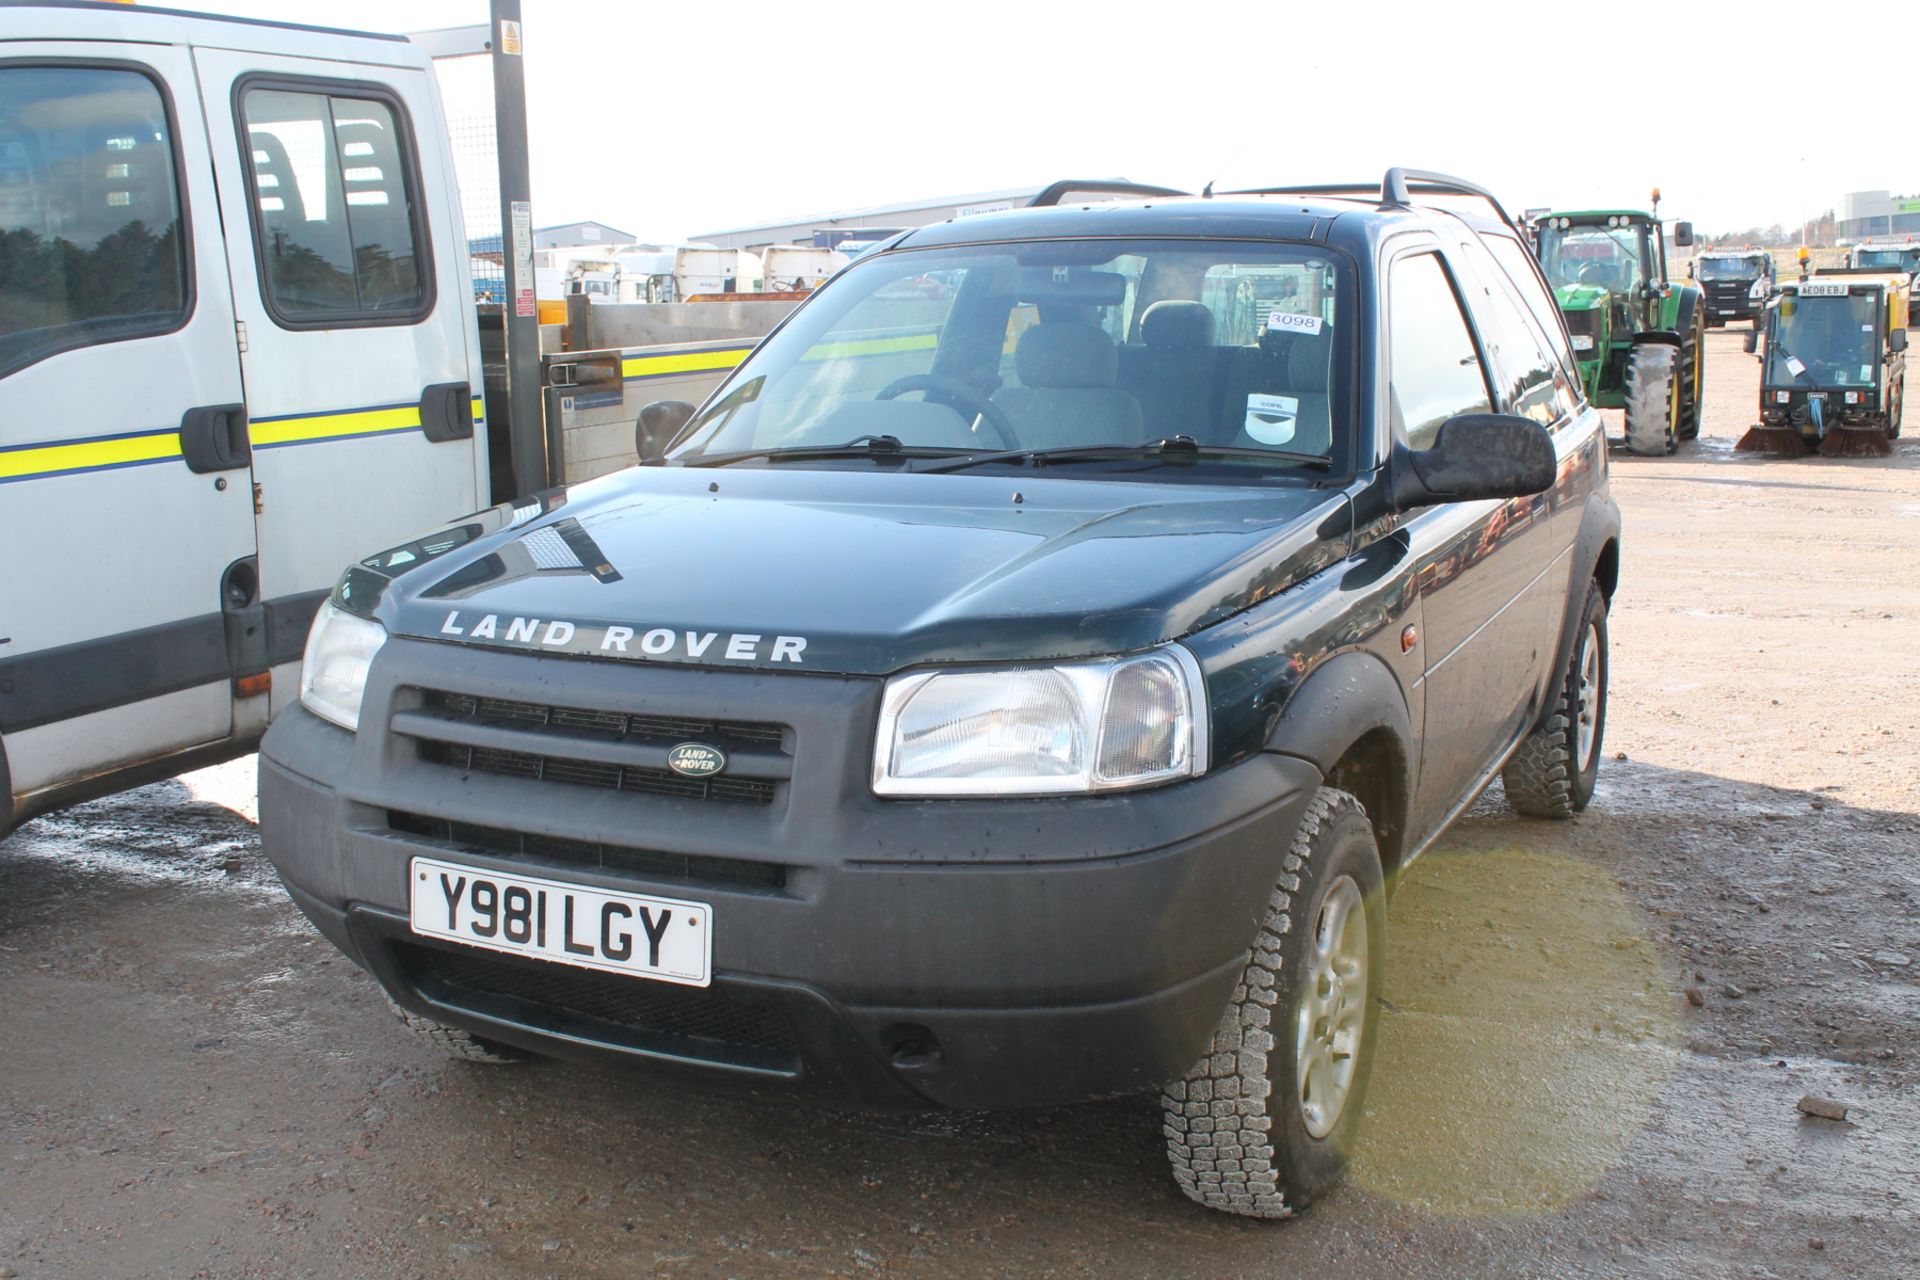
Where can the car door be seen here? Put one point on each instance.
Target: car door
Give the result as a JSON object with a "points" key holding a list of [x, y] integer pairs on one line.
{"points": [[126, 502], [1474, 561], [349, 281]]}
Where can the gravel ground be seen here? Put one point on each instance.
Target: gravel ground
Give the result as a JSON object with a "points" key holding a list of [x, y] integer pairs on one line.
{"points": [[1596, 1035]]}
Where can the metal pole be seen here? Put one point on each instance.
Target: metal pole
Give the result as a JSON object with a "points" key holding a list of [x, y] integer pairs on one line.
{"points": [[520, 310]]}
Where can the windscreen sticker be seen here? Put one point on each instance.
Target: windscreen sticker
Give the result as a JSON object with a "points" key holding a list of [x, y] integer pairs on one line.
{"points": [[1271, 419], [1292, 322], [1866, 328], [1795, 367], [1866, 373]]}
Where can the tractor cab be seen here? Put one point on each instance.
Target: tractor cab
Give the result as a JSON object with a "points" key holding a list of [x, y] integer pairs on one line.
{"points": [[1835, 357], [1637, 336]]}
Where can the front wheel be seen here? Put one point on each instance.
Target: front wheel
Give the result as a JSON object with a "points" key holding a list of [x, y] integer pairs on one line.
{"points": [[1898, 408], [1262, 1125], [1552, 773], [1653, 400]]}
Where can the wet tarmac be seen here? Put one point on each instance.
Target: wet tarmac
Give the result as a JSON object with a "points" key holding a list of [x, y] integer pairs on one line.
{"points": [[1595, 1037]]}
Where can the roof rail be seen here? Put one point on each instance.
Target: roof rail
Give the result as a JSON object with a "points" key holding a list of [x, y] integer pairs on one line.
{"points": [[1397, 188], [1054, 194]]}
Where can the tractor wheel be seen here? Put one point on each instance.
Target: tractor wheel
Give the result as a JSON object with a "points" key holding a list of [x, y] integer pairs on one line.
{"points": [[1653, 400], [1691, 379], [1898, 408]]}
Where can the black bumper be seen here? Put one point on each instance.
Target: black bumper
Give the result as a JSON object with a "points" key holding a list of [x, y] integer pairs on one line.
{"points": [[987, 953]]}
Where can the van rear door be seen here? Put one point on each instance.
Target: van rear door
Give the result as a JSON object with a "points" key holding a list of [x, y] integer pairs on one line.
{"points": [[126, 501], [349, 272]]}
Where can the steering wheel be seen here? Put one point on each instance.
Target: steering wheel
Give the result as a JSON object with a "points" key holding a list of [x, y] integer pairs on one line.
{"points": [[967, 398]]}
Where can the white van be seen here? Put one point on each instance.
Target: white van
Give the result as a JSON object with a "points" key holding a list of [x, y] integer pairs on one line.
{"points": [[238, 348]]}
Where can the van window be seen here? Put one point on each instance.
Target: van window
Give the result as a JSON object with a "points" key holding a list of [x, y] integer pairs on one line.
{"points": [[92, 241], [333, 210], [1436, 367]]}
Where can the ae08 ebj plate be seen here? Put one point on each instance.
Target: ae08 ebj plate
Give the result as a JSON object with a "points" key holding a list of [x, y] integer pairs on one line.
{"points": [[646, 937]]}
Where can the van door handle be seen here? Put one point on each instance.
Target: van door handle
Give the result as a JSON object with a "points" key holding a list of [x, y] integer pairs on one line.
{"points": [[446, 412], [214, 438]]}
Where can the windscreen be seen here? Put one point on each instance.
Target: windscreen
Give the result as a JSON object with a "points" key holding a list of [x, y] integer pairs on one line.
{"points": [[1727, 269], [1610, 257], [1906, 260], [1051, 346], [1824, 341]]}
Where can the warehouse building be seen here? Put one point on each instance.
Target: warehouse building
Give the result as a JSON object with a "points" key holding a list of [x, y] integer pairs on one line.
{"points": [[1865, 214], [830, 230]]}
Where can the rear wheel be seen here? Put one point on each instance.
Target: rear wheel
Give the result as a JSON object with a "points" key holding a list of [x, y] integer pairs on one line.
{"points": [[1653, 400], [1898, 407], [1262, 1124], [1692, 378], [1553, 772]]}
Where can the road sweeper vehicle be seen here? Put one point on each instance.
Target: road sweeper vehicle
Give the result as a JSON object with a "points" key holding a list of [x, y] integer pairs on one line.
{"points": [[1834, 367]]}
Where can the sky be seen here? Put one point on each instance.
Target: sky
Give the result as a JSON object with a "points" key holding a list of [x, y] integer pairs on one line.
{"points": [[667, 120]]}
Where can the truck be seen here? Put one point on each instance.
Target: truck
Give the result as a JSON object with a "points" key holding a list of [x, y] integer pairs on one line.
{"points": [[797, 268], [1901, 257], [238, 346], [1736, 284], [1010, 694]]}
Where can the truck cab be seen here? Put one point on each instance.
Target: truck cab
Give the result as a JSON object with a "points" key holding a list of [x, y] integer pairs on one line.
{"points": [[237, 343], [1898, 257], [1737, 284]]}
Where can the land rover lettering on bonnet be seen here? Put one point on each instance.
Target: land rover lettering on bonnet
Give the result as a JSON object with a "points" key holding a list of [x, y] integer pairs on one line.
{"points": [[1095, 606]]}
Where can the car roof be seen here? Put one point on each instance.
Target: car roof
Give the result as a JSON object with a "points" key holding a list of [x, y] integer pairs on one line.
{"points": [[1349, 223]]}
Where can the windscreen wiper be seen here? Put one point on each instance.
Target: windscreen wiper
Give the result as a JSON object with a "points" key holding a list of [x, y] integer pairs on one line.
{"points": [[858, 447], [1169, 449]]}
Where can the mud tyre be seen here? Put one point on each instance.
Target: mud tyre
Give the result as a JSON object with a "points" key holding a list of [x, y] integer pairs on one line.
{"points": [[1899, 407], [454, 1042], [1653, 400], [1553, 772], [1692, 385], [1262, 1125]]}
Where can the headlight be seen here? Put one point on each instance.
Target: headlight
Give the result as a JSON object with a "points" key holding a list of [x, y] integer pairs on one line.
{"points": [[333, 673], [1073, 727]]}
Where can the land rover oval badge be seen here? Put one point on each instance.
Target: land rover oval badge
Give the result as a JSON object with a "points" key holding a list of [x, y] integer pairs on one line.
{"points": [[696, 760]]}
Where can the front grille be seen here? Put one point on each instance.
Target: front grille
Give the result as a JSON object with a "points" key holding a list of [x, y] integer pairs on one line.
{"points": [[1587, 322], [592, 773], [635, 727], [706, 1024], [649, 864]]}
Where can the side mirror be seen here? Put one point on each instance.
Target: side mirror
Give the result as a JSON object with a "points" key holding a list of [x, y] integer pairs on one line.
{"points": [[659, 423], [1897, 340], [1476, 456], [1682, 234]]}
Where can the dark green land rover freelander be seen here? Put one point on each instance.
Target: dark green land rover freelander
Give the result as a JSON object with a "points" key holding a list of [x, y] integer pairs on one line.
{"points": [[1018, 683]]}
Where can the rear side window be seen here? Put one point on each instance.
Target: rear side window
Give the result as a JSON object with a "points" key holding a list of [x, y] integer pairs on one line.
{"points": [[1435, 366], [1530, 382], [92, 239], [340, 238], [1518, 265]]}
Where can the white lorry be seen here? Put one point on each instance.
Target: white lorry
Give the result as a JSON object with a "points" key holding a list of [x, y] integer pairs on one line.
{"points": [[238, 347]]}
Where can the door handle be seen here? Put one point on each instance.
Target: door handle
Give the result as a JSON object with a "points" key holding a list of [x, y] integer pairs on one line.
{"points": [[446, 412], [214, 438]]}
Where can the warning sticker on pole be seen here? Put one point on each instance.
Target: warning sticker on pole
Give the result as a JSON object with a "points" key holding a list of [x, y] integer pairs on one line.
{"points": [[509, 38], [523, 299]]}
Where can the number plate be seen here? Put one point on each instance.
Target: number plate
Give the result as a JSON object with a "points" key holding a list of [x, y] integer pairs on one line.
{"points": [[1816, 289], [1582, 342], [645, 937]]}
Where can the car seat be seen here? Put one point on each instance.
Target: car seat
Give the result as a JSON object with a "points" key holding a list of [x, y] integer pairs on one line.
{"points": [[1067, 396]]}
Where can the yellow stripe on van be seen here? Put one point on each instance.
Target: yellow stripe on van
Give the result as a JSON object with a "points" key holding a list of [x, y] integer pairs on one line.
{"points": [[681, 362], [872, 346], [88, 455], [334, 426]]}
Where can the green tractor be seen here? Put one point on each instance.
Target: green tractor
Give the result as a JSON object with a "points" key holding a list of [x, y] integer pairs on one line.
{"points": [[1636, 334]]}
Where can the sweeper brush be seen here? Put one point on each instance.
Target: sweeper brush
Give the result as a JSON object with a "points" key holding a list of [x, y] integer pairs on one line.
{"points": [[1855, 442], [1779, 442]]}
